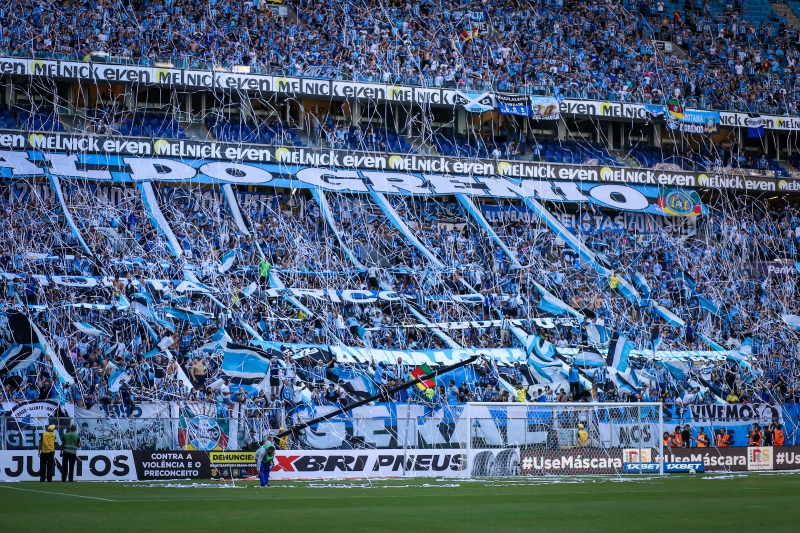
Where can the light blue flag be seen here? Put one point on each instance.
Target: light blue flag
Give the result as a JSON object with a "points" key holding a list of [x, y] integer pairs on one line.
{"points": [[687, 279], [679, 369], [793, 321], [227, 261], [152, 353], [90, 329], [554, 305], [669, 317], [543, 348], [117, 377], [589, 357], [747, 346], [249, 290], [142, 304], [150, 331], [714, 346], [640, 282], [543, 371], [628, 291], [709, 306], [597, 335], [244, 362], [627, 381], [619, 350], [196, 318]]}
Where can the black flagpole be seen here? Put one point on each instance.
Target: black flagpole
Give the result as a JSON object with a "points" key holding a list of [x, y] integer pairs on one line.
{"points": [[365, 401]]}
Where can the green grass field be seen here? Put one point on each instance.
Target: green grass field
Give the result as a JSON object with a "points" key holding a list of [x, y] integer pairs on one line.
{"points": [[680, 503]]}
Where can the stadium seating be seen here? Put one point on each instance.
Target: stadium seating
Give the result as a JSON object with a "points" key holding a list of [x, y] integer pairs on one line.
{"points": [[617, 66], [704, 276]]}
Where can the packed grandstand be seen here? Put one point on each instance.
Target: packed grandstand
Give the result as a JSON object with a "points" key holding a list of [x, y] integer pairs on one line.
{"points": [[268, 212]]}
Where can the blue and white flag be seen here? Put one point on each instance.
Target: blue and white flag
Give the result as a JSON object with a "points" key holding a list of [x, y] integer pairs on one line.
{"points": [[543, 348], [709, 306], [589, 357], [669, 317], [249, 290], [218, 341], [117, 377], [640, 282], [152, 353], [250, 330], [141, 304], [196, 318], [514, 104], [686, 278], [619, 350], [245, 362], [755, 125], [91, 329], [679, 369], [545, 371], [792, 321], [714, 346], [597, 335], [747, 346], [626, 381], [360, 387], [628, 291], [554, 305], [19, 357], [150, 330], [227, 261]]}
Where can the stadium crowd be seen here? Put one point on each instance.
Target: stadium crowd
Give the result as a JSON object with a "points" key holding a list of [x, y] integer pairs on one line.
{"points": [[128, 341], [604, 50], [706, 272]]}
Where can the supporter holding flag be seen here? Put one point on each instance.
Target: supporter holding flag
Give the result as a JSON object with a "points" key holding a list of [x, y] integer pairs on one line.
{"points": [[423, 370]]}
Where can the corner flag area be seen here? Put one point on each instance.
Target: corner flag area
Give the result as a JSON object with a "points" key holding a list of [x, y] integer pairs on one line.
{"points": [[722, 502]]}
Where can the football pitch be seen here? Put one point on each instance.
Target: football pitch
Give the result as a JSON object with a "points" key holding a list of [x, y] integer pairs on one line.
{"points": [[732, 502]]}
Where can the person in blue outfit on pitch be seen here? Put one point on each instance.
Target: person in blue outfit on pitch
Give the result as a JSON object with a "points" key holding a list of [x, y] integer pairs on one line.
{"points": [[264, 459]]}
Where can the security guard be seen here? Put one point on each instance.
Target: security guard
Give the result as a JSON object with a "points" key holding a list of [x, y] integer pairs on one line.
{"points": [[47, 454], [756, 435], [723, 439], [583, 436], [69, 453], [702, 438], [777, 435], [677, 440]]}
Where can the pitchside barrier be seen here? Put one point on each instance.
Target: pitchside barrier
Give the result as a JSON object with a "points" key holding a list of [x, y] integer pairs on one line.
{"points": [[471, 440]]}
